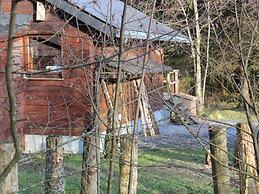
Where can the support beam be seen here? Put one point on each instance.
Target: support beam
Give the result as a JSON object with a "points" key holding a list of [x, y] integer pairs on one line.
{"points": [[218, 149]]}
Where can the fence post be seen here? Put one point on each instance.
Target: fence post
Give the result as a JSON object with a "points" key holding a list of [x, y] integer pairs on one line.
{"points": [[54, 177], [125, 152], [218, 149], [134, 169], [247, 162], [89, 179]]}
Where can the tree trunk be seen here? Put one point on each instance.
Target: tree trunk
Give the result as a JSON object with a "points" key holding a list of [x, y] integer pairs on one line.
{"points": [[54, 179], [10, 183], [218, 149], [207, 54], [198, 80], [89, 166], [247, 161]]}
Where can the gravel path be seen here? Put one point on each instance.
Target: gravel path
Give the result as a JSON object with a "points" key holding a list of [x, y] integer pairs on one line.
{"points": [[172, 135]]}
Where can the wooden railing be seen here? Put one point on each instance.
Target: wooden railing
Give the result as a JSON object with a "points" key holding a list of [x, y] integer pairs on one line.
{"points": [[172, 81]]}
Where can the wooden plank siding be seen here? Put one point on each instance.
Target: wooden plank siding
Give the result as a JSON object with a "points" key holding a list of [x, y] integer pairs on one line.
{"points": [[55, 106]]}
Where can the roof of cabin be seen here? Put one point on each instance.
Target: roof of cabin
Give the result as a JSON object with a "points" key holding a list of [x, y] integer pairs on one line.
{"points": [[99, 13], [135, 64]]}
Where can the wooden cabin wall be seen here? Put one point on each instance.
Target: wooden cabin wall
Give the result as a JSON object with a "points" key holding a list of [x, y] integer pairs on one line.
{"points": [[155, 88], [153, 82], [77, 47], [50, 106], [61, 106], [53, 106]]}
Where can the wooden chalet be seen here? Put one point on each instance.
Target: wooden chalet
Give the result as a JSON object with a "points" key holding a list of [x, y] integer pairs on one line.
{"points": [[59, 46]]}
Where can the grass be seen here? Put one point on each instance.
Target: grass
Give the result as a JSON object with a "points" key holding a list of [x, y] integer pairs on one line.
{"points": [[226, 111], [227, 115], [161, 170]]}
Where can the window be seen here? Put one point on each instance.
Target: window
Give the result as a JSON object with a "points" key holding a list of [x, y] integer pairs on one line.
{"points": [[42, 54]]}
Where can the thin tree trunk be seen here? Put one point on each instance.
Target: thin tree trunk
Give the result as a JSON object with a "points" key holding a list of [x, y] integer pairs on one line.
{"points": [[197, 74], [218, 149], [116, 97], [207, 55], [54, 177], [90, 178], [193, 52], [134, 146], [247, 94]]}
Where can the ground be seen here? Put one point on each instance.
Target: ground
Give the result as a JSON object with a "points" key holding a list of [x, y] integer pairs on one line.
{"points": [[170, 163], [162, 169]]}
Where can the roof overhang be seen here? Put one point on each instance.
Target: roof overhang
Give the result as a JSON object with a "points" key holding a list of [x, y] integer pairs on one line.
{"points": [[135, 65], [94, 16]]}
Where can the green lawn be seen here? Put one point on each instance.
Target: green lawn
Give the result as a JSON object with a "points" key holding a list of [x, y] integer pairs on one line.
{"points": [[162, 170]]}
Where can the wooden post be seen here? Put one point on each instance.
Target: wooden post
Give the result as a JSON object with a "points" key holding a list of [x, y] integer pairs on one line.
{"points": [[247, 163], [218, 149], [89, 166], [168, 82], [125, 152], [134, 167], [54, 178], [176, 81], [172, 80], [10, 184]]}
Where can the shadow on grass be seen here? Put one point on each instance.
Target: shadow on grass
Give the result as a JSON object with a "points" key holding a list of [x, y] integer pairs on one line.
{"points": [[163, 155]]}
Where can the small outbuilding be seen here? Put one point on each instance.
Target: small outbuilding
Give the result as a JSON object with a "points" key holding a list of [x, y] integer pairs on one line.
{"points": [[64, 50]]}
